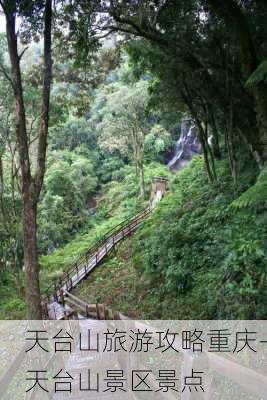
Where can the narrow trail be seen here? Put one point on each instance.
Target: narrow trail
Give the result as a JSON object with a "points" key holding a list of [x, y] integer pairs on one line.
{"points": [[61, 304]]}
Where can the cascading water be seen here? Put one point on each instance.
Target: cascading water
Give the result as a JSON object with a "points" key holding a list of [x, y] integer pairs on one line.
{"points": [[186, 146]]}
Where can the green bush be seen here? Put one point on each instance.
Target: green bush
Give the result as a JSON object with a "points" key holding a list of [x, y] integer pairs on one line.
{"points": [[210, 260]]}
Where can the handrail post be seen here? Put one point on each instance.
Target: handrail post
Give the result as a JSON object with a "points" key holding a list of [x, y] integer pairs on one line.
{"points": [[70, 281], [97, 311], [62, 298], [106, 313], [55, 314], [45, 310], [67, 281], [55, 294]]}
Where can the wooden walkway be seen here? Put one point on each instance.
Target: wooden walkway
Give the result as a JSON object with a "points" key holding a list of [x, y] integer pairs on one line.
{"points": [[59, 304], [55, 304]]}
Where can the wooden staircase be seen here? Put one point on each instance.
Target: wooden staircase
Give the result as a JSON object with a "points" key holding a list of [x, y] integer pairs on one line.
{"points": [[59, 303]]}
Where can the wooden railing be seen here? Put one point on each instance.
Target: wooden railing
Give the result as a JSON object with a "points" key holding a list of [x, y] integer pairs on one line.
{"points": [[84, 264], [93, 311]]}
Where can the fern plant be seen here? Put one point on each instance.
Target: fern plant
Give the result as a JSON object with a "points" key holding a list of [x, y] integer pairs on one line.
{"points": [[259, 76], [255, 195]]}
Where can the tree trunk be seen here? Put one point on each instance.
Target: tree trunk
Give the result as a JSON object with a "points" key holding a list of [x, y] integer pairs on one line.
{"points": [[229, 133], [2, 207], [203, 143], [260, 95], [215, 142], [31, 259], [230, 145], [140, 141], [233, 15], [47, 79], [33, 297], [31, 186], [141, 179]]}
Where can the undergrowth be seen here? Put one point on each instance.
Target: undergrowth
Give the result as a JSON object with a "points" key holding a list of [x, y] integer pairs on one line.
{"points": [[199, 256]]}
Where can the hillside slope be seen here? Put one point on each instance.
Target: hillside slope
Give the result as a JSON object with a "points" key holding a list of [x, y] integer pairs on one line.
{"points": [[198, 256]]}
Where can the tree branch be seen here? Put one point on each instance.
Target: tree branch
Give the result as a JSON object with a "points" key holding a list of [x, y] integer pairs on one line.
{"points": [[22, 53], [5, 73], [153, 35], [231, 12]]}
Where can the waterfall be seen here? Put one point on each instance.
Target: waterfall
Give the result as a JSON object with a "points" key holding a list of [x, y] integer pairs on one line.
{"points": [[186, 146]]}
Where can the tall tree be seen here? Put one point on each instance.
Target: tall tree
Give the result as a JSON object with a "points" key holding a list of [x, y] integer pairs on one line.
{"points": [[125, 125], [235, 17], [32, 178]]}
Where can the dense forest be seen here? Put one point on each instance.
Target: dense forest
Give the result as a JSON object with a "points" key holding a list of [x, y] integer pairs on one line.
{"points": [[98, 98]]}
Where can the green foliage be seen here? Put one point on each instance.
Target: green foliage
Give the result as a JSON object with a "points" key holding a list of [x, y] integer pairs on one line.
{"points": [[69, 185], [71, 134], [124, 117], [12, 304], [256, 195], [111, 167], [201, 252], [259, 76], [243, 276], [157, 141], [194, 258]]}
